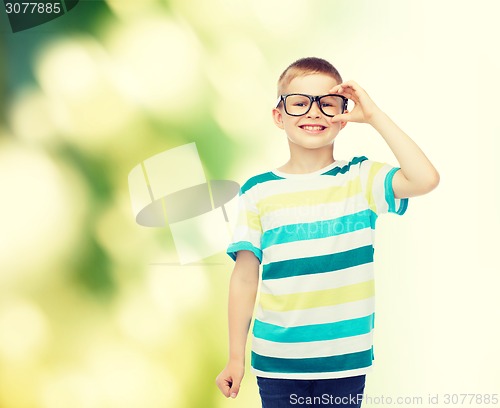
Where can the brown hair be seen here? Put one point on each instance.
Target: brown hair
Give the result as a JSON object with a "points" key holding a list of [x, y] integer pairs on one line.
{"points": [[307, 66]]}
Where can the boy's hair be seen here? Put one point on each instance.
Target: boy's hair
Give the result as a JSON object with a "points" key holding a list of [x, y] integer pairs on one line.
{"points": [[306, 66]]}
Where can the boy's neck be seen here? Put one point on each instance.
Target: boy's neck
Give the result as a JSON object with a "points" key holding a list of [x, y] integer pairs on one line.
{"points": [[308, 160]]}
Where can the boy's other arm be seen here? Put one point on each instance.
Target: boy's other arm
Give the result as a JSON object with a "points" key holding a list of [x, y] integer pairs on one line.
{"points": [[417, 175], [242, 293]]}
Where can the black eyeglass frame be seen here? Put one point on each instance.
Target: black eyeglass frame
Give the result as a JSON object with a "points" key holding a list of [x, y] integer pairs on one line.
{"points": [[312, 99]]}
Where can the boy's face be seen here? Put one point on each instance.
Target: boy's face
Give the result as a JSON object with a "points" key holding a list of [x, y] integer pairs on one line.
{"points": [[313, 130]]}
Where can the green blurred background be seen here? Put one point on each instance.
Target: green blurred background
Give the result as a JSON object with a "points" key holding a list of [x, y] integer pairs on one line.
{"points": [[96, 312]]}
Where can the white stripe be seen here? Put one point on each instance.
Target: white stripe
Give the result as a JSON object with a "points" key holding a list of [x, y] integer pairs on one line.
{"points": [[378, 189], [313, 349], [318, 247], [326, 280], [318, 315], [313, 183], [313, 376], [313, 212], [243, 233]]}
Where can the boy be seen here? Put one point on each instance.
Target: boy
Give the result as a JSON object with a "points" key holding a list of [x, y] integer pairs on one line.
{"points": [[310, 223]]}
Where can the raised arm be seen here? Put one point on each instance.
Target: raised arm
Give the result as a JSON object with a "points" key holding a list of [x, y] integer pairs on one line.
{"points": [[417, 175], [242, 293]]}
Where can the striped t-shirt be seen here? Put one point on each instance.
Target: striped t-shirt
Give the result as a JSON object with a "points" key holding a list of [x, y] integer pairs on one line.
{"points": [[314, 236]]}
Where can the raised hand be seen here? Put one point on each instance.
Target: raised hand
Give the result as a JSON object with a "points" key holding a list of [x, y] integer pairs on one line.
{"points": [[364, 108]]}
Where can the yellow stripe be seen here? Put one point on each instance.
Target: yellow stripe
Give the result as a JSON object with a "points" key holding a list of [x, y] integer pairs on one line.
{"points": [[319, 298], [309, 198], [250, 220], [369, 185]]}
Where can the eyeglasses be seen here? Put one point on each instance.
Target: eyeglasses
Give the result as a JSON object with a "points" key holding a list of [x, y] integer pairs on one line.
{"points": [[300, 104]]}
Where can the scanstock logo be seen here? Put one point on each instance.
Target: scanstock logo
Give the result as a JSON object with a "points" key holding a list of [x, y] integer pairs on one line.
{"points": [[28, 14]]}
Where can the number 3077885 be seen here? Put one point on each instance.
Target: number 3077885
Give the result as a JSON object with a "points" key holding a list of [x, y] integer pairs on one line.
{"points": [[33, 8]]}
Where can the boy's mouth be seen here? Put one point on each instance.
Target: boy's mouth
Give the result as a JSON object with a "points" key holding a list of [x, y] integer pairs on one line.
{"points": [[313, 128]]}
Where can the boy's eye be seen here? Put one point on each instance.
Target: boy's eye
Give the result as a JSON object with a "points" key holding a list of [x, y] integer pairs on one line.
{"points": [[297, 100]]}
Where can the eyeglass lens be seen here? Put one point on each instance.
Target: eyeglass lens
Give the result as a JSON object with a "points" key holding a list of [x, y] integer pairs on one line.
{"points": [[299, 104]]}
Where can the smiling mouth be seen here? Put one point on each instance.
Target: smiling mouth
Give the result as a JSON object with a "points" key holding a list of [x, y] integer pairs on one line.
{"points": [[313, 128]]}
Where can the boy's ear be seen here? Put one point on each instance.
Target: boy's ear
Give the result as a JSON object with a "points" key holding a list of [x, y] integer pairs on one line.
{"points": [[278, 118]]}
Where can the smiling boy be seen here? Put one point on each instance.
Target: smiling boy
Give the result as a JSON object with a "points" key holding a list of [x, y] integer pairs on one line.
{"points": [[310, 224]]}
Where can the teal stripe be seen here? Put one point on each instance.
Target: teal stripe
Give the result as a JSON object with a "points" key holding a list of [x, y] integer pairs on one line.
{"points": [[261, 178], [319, 229], [269, 176], [313, 332], [243, 245], [346, 168], [341, 362], [389, 194], [318, 264]]}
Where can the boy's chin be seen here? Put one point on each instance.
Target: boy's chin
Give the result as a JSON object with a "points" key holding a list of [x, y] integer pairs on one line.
{"points": [[312, 144]]}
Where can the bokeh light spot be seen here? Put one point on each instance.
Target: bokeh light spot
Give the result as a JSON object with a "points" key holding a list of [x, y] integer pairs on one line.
{"points": [[30, 116], [77, 76], [157, 64], [24, 330], [39, 197]]}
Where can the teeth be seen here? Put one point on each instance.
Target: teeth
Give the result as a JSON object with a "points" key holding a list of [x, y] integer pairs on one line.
{"points": [[313, 127]]}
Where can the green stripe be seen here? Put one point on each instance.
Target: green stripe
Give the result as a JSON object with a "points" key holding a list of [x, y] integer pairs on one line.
{"points": [[389, 195], [341, 362], [243, 246], [313, 332], [319, 229], [261, 178], [346, 168], [318, 264]]}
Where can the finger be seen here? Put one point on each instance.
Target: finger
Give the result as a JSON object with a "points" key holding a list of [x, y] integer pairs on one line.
{"points": [[349, 95], [347, 92], [351, 84], [224, 386], [335, 89], [356, 90], [340, 88], [344, 117], [235, 388]]}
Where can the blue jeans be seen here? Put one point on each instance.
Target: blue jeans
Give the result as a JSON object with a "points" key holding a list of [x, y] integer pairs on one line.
{"points": [[335, 392]]}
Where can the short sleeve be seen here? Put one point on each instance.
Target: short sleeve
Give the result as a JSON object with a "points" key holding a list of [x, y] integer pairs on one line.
{"points": [[248, 230], [376, 183]]}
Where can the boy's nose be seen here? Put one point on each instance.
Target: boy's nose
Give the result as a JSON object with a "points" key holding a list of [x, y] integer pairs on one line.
{"points": [[314, 111]]}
